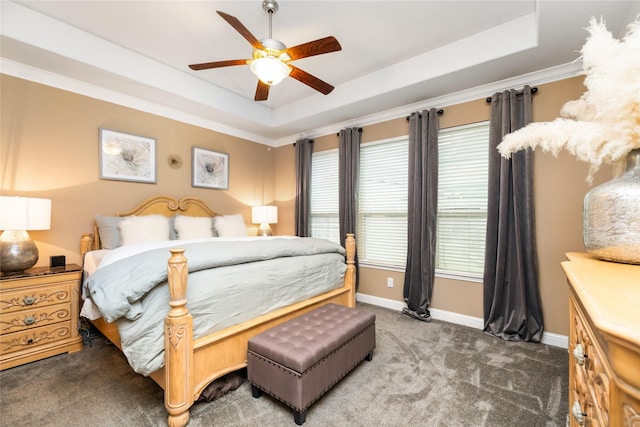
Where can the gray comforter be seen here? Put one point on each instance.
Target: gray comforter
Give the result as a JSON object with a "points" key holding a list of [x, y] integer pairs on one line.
{"points": [[229, 282]]}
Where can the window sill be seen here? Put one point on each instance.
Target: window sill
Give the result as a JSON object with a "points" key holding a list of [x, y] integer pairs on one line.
{"points": [[381, 267], [456, 275]]}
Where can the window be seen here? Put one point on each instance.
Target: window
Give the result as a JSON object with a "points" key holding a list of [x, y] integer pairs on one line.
{"points": [[463, 166], [382, 203], [324, 195]]}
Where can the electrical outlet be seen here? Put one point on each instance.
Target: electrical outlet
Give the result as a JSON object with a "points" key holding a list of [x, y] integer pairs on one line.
{"points": [[390, 282]]}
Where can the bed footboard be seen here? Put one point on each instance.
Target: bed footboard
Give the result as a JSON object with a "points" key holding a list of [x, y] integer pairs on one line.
{"points": [[181, 384]]}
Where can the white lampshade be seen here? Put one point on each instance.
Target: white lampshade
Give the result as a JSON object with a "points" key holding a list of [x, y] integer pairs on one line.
{"points": [[18, 251], [270, 70], [264, 214], [24, 213]]}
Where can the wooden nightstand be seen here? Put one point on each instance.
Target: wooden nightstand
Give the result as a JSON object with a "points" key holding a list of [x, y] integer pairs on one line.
{"points": [[39, 314]]}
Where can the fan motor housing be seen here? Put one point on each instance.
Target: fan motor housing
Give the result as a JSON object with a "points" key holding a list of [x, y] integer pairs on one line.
{"points": [[272, 47]]}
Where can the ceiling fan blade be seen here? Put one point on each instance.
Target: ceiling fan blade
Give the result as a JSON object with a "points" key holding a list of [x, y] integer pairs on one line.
{"points": [[244, 32], [218, 64], [262, 91], [316, 47], [310, 80]]}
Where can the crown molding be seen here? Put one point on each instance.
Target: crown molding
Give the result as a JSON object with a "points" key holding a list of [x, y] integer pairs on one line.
{"points": [[76, 86], [548, 75]]}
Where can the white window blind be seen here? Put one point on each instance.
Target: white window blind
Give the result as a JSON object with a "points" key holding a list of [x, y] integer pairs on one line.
{"points": [[462, 199], [324, 195], [382, 203]]}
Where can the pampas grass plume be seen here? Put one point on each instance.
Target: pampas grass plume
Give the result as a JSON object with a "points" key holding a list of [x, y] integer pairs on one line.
{"points": [[604, 124]]}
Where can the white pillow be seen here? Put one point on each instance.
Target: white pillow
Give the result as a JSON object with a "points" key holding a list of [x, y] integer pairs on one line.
{"points": [[146, 228], [230, 226], [193, 227]]}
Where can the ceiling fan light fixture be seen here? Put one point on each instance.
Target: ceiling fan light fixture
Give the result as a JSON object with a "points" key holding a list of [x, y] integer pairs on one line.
{"points": [[270, 70]]}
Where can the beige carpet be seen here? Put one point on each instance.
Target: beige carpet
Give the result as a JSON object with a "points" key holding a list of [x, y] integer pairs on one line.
{"points": [[427, 374]]}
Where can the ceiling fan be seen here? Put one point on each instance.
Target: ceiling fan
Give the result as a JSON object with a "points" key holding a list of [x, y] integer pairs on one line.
{"points": [[271, 57]]}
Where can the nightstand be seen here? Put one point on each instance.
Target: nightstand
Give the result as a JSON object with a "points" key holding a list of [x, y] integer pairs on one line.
{"points": [[39, 314]]}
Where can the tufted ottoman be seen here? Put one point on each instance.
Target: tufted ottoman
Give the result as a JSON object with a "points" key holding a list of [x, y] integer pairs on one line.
{"points": [[299, 360]]}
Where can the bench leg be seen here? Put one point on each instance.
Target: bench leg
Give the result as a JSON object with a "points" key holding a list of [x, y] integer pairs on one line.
{"points": [[299, 417], [369, 357], [255, 391]]}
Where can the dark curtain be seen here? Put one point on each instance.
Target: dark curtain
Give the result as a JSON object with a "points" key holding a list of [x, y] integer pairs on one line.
{"points": [[512, 308], [348, 170], [422, 213], [304, 148]]}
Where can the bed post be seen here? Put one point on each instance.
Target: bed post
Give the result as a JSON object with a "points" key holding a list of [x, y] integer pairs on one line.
{"points": [[178, 344], [86, 244], [350, 275]]}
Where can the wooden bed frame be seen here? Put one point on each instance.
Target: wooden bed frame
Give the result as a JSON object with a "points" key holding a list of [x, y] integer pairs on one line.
{"points": [[191, 364]]}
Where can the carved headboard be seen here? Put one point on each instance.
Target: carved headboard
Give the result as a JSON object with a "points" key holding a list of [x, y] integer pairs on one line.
{"points": [[159, 205]]}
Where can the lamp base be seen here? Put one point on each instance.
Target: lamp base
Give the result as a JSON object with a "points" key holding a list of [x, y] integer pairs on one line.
{"points": [[264, 230], [17, 251]]}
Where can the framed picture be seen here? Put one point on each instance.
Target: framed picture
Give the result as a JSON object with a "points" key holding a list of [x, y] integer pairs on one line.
{"points": [[209, 169], [125, 157]]}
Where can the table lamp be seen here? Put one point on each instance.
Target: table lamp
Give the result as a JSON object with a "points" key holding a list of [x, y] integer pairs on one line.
{"points": [[264, 215], [18, 251]]}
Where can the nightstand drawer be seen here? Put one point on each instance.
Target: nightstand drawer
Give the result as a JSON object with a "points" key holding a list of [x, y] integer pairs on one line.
{"points": [[34, 337], [34, 318], [29, 298]]}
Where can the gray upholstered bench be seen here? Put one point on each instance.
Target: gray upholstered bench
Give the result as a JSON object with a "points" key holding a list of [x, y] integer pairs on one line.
{"points": [[299, 360]]}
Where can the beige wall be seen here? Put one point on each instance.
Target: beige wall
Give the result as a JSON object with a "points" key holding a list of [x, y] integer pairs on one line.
{"points": [[559, 185], [49, 148]]}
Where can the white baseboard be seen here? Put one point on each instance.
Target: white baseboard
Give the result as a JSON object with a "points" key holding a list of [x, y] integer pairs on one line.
{"points": [[548, 338], [555, 340]]}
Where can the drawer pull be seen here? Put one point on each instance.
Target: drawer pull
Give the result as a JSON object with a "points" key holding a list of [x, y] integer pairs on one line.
{"points": [[28, 300], [29, 320], [30, 341], [578, 354], [576, 410]]}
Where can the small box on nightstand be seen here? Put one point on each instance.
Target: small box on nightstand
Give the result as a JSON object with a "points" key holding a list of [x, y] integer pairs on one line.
{"points": [[57, 261]]}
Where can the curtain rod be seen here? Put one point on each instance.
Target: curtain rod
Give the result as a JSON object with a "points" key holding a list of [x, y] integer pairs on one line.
{"points": [[440, 112], [533, 91]]}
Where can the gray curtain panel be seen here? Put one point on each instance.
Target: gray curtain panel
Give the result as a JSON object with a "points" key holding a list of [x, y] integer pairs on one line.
{"points": [[512, 308], [422, 213], [304, 149], [348, 171]]}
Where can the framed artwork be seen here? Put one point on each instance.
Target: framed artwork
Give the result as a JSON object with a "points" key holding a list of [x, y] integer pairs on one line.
{"points": [[209, 169], [125, 157]]}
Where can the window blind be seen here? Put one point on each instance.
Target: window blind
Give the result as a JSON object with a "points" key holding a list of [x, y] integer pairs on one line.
{"points": [[324, 195], [462, 199], [382, 203]]}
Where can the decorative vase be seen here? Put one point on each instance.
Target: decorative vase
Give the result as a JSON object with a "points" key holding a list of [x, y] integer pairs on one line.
{"points": [[611, 220]]}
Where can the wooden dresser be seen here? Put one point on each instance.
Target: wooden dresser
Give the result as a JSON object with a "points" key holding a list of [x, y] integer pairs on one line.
{"points": [[39, 314], [604, 342]]}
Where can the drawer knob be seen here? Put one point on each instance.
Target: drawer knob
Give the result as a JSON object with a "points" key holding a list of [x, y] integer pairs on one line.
{"points": [[29, 320], [28, 300], [576, 410], [578, 354]]}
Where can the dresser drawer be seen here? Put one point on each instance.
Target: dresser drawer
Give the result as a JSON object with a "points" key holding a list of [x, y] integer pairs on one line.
{"points": [[34, 318], [29, 298], [591, 381], [35, 337]]}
